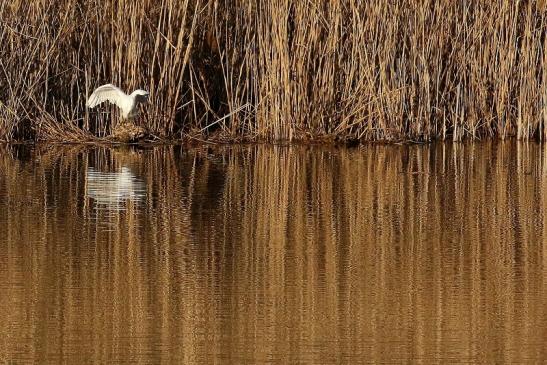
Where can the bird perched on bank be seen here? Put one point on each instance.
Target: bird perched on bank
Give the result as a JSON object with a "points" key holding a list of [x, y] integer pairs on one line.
{"points": [[128, 104]]}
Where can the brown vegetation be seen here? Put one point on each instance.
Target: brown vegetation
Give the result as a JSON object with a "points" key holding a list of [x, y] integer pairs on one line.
{"points": [[277, 70]]}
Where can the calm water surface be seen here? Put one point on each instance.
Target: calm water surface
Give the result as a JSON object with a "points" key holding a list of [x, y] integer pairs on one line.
{"points": [[263, 254]]}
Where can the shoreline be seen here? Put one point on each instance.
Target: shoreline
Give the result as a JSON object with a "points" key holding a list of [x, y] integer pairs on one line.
{"points": [[195, 142]]}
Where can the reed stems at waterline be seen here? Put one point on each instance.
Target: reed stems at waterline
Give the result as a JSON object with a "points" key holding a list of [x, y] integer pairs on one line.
{"points": [[277, 70]]}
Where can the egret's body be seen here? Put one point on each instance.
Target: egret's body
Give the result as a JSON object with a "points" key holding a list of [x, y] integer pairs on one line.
{"points": [[128, 104]]}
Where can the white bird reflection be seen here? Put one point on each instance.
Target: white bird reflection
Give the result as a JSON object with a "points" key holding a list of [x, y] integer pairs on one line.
{"points": [[112, 190]]}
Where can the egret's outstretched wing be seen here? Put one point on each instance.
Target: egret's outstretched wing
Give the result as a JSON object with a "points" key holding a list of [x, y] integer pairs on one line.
{"points": [[104, 93]]}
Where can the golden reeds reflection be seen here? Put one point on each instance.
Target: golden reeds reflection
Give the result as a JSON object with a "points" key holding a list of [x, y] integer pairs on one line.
{"points": [[260, 254]]}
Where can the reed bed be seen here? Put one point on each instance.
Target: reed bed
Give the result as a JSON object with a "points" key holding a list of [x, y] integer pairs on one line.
{"points": [[277, 69]]}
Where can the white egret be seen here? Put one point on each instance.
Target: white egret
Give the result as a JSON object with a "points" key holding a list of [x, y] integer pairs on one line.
{"points": [[127, 103]]}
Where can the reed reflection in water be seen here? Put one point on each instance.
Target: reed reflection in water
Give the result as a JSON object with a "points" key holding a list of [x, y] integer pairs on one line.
{"points": [[261, 254]]}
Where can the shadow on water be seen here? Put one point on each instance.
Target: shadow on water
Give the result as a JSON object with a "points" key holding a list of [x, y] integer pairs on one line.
{"points": [[264, 254]]}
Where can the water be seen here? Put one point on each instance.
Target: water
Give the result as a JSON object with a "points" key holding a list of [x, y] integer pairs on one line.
{"points": [[263, 254]]}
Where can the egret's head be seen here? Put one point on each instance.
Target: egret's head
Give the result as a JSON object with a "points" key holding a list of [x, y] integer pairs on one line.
{"points": [[142, 96]]}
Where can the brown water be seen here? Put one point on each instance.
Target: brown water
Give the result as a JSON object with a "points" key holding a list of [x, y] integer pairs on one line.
{"points": [[262, 254]]}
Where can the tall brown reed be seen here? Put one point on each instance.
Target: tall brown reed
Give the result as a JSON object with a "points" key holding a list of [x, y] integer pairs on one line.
{"points": [[278, 69]]}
